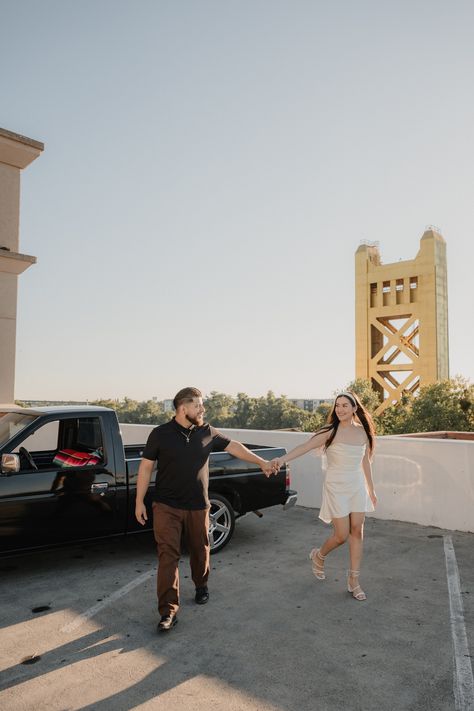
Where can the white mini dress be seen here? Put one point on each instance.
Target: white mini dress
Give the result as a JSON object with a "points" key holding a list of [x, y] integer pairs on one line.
{"points": [[344, 487]]}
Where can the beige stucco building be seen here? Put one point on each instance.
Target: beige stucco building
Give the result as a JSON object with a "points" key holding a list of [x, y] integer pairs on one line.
{"points": [[16, 153], [402, 319]]}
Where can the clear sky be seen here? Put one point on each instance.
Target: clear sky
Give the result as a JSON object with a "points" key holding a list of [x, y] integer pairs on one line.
{"points": [[210, 168]]}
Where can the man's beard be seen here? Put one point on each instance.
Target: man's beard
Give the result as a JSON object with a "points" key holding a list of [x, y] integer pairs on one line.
{"points": [[196, 421]]}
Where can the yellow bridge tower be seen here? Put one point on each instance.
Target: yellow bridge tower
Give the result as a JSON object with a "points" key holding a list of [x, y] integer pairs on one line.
{"points": [[402, 319]]}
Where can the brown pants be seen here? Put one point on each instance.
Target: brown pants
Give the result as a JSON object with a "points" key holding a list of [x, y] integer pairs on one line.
{"points": [[168, 526]]}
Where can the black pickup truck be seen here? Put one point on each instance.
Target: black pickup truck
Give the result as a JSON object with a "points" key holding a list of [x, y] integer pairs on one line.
{"points": [[65, 476]]}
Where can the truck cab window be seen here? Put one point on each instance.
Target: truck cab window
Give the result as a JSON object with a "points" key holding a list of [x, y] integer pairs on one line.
{"points": [[71, 442], [38, 449], [43, 439]]}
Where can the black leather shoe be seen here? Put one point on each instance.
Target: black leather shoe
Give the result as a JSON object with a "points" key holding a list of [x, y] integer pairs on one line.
{"points": [[167, 622], [202, 595]]}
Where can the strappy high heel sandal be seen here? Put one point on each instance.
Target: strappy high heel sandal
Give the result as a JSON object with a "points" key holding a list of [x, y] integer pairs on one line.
{"points": [[318, 570], [356, 592]]}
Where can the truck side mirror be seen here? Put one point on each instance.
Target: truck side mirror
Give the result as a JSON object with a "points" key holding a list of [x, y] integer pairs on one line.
{"points": [[10, 463]]}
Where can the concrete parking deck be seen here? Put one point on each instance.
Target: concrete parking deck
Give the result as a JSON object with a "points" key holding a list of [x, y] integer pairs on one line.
{"points": [[271, 638]]}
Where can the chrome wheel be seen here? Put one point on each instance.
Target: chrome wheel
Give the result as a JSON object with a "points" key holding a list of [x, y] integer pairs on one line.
{"points": [[221, 522]]}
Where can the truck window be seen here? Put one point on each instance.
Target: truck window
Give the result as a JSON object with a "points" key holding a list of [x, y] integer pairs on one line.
{"points": [[70, 442], [81, 433], [11, 423], [43, 439]]}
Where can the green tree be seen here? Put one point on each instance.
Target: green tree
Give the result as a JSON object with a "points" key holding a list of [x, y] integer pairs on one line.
{"points": [[219, 409], [394, 419], [446, 405], [244, 412], [315, 420], [147, 412], [276, 413]]}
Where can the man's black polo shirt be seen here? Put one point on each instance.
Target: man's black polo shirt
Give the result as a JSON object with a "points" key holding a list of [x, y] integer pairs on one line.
{"points": [[182, 478]]}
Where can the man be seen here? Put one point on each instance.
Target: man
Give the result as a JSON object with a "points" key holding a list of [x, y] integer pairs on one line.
{"points": [[180, 502]]}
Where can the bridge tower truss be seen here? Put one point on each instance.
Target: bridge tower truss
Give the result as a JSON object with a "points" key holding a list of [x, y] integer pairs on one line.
{"points": [[402, 319]]}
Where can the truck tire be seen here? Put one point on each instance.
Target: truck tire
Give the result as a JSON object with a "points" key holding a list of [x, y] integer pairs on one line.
{"points": [[221, 522]]}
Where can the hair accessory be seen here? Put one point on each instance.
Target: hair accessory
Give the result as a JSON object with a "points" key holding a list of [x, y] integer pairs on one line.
{"points": [[349, 396]]}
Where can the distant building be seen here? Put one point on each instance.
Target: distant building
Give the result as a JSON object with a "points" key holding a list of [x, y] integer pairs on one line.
{"points": [[168, 406], [310, 405], [16, 153]]}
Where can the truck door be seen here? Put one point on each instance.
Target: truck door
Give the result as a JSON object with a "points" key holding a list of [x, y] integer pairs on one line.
{"points": [[65, 489]]}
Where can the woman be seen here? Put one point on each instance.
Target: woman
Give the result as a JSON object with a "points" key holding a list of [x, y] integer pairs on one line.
{"points": [[348, 491]]}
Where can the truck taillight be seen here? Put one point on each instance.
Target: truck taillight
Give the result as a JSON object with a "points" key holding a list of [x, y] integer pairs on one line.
{"points": [[288, 477]]}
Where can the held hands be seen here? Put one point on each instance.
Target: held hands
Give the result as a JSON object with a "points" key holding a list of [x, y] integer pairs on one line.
{"points": [[269, 468], [140, 513], [277, 464]]}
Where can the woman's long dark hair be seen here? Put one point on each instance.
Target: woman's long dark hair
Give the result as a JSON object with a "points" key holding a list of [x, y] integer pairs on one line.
{"points": [[362, 415]]}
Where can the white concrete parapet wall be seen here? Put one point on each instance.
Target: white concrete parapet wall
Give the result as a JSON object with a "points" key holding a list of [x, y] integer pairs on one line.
{"points": [[425, 481]]}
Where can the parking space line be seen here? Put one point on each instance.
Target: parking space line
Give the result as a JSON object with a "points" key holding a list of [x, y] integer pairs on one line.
{"points": [[121, 592], [463, 679]]}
